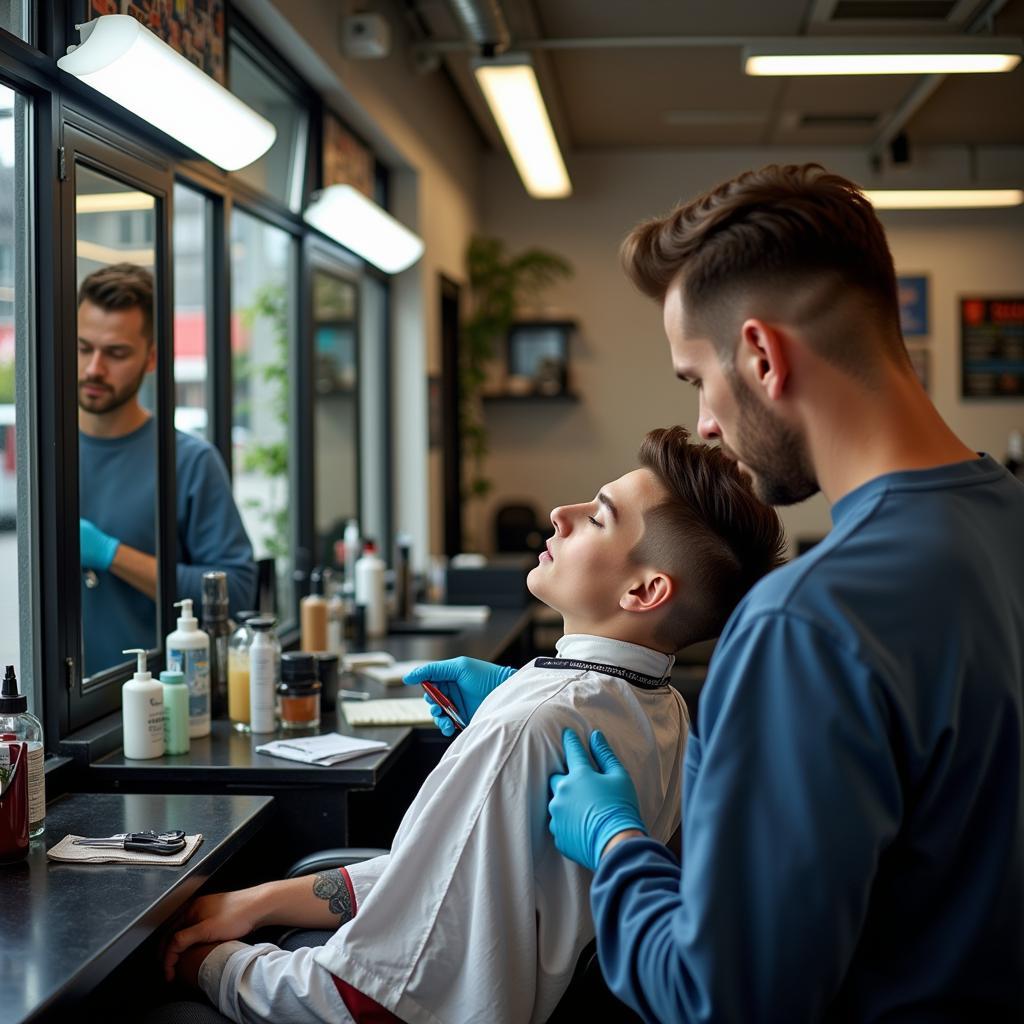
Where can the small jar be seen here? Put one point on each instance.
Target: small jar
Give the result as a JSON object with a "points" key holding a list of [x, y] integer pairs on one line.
{"points": [[298, 693]]}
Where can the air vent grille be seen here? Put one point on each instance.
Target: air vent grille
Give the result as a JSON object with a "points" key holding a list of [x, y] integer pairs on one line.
{"points": [[893, 10]]}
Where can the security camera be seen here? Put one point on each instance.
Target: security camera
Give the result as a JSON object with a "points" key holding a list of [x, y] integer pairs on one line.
{"points": [[365, 36]]}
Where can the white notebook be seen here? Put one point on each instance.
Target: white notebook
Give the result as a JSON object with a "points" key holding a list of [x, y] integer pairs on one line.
{"points": [[331, 748], [400, 711], [390, 675]]}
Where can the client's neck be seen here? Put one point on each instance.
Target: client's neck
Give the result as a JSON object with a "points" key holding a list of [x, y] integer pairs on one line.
{"points": [[629, 630]]}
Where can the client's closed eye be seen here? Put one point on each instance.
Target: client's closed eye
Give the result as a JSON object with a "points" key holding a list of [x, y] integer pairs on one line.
{"points": [[596, 523]]}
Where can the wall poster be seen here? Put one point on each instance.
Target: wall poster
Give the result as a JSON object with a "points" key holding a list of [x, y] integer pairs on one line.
{"points": [[195, 28], [913, 298], [992, 348]]}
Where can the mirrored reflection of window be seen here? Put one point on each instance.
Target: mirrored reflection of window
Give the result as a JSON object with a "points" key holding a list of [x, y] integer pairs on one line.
{"points": [[191, 316], [374, 423], [15, 348], [335, 347], [14, 17], [115, 227], [279, 173], [262, 276]]}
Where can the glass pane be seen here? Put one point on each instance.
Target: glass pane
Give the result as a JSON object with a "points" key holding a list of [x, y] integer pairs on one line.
{"points": [[335, 339], [15, 354], [115, 244], [191, 316], [279, 172], [262, 286], [374, 425], [14, 16]]}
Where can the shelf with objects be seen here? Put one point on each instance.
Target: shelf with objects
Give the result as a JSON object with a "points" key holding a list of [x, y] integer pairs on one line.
{"points": [[537, 363]]}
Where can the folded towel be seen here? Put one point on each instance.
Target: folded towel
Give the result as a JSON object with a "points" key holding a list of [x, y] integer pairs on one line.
{"points": [[66, 851]]}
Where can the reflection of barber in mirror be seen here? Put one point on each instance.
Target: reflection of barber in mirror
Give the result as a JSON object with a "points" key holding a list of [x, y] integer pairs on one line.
{"points": [[117, 478]]}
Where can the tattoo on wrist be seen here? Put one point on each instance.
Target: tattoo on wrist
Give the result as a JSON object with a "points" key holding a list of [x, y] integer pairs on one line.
{"points": [[330, 886]]}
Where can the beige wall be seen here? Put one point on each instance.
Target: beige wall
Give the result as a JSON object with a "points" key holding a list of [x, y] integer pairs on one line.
{"points": [[620, 366]]}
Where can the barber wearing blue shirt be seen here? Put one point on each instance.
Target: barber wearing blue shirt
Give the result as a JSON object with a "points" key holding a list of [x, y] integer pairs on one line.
{"points": [[117, 473], [853, 809]]}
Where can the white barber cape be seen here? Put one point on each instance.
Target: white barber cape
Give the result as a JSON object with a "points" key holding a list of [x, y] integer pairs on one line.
{"points": [[475, 917]]}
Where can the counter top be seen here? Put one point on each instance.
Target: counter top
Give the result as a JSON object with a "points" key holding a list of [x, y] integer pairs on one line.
{"points": [[65, 927]]}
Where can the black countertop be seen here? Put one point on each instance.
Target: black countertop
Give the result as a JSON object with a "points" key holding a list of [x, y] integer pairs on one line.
{"points": [[64, 927]]}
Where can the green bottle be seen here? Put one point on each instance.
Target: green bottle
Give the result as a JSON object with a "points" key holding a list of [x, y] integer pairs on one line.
{"points": [[176, 739]]}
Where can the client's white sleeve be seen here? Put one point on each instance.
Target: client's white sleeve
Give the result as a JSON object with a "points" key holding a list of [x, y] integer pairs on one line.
{"points": [[262, 983]]}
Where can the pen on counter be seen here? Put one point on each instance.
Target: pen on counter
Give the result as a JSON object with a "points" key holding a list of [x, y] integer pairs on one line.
{"points": [[346, 694]]}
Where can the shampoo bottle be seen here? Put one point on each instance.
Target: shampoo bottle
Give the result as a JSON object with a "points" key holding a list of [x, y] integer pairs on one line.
{"points": [[142, 712], [16, 720], [370, 590], [175, 712], [188, 652], [353, 549], [263, 662], [313, 615]]}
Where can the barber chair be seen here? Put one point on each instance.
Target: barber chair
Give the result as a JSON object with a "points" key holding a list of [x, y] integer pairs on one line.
{"points": [[587, 992]]}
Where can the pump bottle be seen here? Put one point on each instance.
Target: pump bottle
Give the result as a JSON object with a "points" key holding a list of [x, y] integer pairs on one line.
{"points": [[16, 720], [188, 652], [142, 712]]}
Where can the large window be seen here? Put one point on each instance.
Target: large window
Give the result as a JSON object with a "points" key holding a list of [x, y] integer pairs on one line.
{"points": [[191, 313], [263, 285], [14, 17], [16, 540]]}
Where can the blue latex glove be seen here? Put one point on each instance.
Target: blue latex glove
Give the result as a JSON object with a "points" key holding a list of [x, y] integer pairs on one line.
{"points": [[98, 548], [464, 681], [589, 807]]}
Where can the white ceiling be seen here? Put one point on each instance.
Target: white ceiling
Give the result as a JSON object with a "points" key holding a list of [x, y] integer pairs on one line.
{"points": [[656, 95]]}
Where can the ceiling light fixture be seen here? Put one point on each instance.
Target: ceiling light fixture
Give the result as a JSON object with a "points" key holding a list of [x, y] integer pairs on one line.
{"points": [[358, 223], [121, 58], [509, 85], [832, 55], [944, 199]]}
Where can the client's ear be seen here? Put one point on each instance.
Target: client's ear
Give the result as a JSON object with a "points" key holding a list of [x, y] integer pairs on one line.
{"points": [[650, 593]]}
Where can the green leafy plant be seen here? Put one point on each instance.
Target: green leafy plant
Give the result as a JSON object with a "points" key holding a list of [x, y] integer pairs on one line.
{"points": [[270, 460], [498, 285]]}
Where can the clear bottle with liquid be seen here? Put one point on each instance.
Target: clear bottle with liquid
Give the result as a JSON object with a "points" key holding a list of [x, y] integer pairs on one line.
{"points": [[264, 674], [17, 720], [238, 672]]}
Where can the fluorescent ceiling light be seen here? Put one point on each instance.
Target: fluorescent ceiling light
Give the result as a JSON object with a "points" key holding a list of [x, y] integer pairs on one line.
{"points": [[510, 87], [944, 199], [113, 202], [122, 59], [835, 55], [359, 224]]}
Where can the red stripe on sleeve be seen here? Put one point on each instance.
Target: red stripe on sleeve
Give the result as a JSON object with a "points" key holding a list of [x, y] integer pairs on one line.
{"points": [[364, 1010]]}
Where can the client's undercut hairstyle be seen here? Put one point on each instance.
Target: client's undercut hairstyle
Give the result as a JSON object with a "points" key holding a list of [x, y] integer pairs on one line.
{"points": [[771, 232], [121, 286], [711, 535]]}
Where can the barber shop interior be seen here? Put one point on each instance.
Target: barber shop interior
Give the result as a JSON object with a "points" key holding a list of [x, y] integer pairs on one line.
{"points": [[511, 511]]}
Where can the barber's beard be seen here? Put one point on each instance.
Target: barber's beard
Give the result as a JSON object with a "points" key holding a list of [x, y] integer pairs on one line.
{"points": [[775, 453], [111, 400]]}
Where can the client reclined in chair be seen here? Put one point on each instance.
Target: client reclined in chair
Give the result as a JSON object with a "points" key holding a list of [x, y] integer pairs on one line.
{"points": [[474, 916]]}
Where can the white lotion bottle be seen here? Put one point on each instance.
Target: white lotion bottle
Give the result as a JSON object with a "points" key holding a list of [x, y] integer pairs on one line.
{"points": [[370, 590], [262, 676], [142, 712], [188, 652]]}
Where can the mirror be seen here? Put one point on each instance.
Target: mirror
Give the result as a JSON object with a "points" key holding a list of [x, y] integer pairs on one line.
{"points": [[115, 233], [335, 375]]}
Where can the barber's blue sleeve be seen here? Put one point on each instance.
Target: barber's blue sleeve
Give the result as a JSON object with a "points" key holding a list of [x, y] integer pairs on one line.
{"points": [[211, 534], [791, 796]]}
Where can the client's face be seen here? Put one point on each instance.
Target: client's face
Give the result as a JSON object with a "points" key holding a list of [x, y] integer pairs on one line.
{"points": [[586, 568]]}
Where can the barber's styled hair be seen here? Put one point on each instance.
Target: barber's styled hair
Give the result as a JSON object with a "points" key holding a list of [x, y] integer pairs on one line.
{"points": [[121, 286], [771, 230], [711, 534]]}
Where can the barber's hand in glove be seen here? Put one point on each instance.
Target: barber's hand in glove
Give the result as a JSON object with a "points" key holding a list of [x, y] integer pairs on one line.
{"points": [[588, 808], [98, 548], [465, 681]]}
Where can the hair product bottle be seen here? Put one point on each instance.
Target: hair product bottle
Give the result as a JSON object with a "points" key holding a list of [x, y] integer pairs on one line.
{"points": [[188, 652], [175, 712], [264, 654], [142, 712], [370, 590], [313, 615], [238, 672], [16, 720]]}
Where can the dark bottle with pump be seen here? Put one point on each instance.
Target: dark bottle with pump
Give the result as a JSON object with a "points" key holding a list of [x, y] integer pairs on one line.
{"points": [[216, 624], [16, 720]]}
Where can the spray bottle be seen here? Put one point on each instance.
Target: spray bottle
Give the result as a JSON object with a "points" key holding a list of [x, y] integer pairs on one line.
{"points": [[142, 712], [188, 652]]}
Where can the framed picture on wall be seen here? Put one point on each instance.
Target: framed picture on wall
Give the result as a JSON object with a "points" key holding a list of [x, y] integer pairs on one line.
{"points": [[992, 348], [912, 290]]}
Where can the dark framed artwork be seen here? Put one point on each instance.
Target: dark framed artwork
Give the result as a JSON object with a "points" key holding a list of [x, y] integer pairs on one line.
{"points": [[992, 347], [538, 353]]}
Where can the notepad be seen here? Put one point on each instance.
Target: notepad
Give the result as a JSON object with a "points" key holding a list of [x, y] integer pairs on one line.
{"points": [[331, 748], [401, 711], [454, 614], [390, 675], [359, 659]]}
